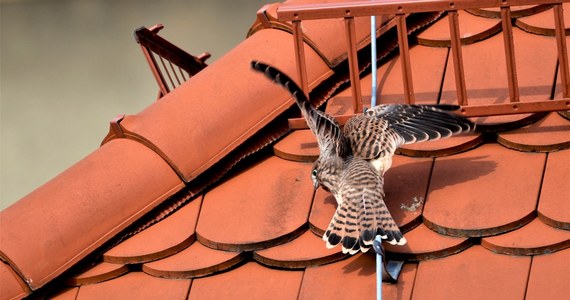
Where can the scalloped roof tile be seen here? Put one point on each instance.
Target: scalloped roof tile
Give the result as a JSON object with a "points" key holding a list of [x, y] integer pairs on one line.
{"points": [[485, 212]]}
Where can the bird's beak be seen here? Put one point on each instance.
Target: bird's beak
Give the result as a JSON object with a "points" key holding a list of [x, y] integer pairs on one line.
{"points": [[316, 184]]}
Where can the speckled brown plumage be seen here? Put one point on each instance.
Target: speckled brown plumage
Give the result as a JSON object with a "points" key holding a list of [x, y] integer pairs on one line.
{"points": [[353, 160]]}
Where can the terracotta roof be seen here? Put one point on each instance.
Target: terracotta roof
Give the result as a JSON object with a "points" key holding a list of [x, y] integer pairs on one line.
{"points": [[486, 215]]}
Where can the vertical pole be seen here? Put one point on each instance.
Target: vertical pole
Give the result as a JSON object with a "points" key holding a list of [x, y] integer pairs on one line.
{"points": [[457, 57], [562, 49], [510, 54], [300, 55], [405, 58], [353, 63], [379, 265], [373, 60]]}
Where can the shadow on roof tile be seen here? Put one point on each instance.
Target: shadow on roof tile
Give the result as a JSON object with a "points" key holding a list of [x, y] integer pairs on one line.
{"points": [[485, 191]]}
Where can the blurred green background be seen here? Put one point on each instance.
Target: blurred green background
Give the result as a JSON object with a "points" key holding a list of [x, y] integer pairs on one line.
{"points": [[67, 67]]}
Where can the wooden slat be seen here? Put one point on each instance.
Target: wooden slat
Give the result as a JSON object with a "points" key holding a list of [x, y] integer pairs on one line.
{"points": [[405, 59], [562, 49], [390, 7], [300, 56], [457, 57], [353, 64], [476, 110], [510, 54]]}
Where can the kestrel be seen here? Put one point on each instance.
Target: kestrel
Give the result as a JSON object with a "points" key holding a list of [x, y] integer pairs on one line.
{"points": [[354, 158]]}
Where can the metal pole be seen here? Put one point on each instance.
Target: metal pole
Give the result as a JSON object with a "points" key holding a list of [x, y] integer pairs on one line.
{"points": [[379, 264], [373, 60]]}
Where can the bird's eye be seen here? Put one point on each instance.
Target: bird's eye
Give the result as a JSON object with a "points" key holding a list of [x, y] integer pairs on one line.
{"points": [[314, 173]]}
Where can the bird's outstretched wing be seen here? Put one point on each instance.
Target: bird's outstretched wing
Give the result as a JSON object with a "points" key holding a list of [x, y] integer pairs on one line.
{"points": [[361, 213], [325, 128], [382, 129]]}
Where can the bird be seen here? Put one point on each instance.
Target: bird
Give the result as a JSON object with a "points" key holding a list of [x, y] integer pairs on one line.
{"points": [[353, 159]]}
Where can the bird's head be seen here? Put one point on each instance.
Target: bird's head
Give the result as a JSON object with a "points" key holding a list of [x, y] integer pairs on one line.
{"points": [[326, 172]]}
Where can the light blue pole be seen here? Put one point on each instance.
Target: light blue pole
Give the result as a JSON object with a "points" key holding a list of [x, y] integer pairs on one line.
{"points": [[378, 240], [373, 59], [379, 264]]}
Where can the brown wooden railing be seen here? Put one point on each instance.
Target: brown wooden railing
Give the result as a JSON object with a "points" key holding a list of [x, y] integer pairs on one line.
{"points": [[170, 65], [348, 11]]}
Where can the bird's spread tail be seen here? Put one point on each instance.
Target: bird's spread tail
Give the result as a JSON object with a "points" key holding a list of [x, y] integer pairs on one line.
{"points": [[285, 81], [325, 128]]}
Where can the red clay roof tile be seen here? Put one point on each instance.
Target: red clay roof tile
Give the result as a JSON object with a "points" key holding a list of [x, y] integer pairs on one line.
{"points": [[406, 204], [541, 22], [250, 281], [100, 272], [66, 294], [304, 251], [470, 218], [533, 238], [136, 285], [354, 278], [475, 273], [194, 261], [482, 182], [120, 188], [11, 285], [551, 133], [151, 244], [187, 122], [486, 75], [472, 29], [269, 212], [424, 243], [299, 145], [322, 210], [549, 276], [554, 207]]}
